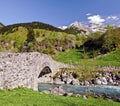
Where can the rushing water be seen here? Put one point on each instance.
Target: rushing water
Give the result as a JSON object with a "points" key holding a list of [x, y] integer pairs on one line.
{"points": [[113, 91]]}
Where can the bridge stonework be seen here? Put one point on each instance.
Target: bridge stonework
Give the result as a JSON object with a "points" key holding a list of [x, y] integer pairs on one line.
{"points": [[24, 69]]}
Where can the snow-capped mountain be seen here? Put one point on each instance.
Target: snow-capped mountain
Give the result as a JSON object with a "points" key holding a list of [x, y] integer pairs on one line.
{"points": [[81, 28], [84, 29], [74, 24], [97, 27], [63, 27], [77, 25]]}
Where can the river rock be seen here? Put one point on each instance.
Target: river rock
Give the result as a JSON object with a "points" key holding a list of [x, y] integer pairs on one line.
{"points": [[117, 77], [57, 90], [99, 78], [75, 82], [68, 81], [81, 83], [77, 95], [54, 91], [46, 91], [110, 81], [71, 76], [114, 77], [103, 81], [106, 74], [58, 81], [64, 75], [61, 91], [84, 97], [98, 81], [69, 93], [86, 83]]}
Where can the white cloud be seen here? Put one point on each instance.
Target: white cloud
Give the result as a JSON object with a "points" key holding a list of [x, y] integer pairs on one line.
{"points": [[88, 14], [96, 19], [112, 17]]}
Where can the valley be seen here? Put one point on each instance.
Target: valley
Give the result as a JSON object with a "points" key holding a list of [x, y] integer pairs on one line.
{"points": [[94, 55]]}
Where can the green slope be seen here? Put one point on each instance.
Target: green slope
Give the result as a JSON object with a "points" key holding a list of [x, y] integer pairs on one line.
{"points": [[28, 97], [75, 56], [25, 38], [112, 56], [30, 25]]}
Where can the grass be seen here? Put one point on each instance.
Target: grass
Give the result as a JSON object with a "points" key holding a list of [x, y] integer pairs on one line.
{"points": [[28, 97], [70, 56], [14, 40], [113, 56], [74, 56]]}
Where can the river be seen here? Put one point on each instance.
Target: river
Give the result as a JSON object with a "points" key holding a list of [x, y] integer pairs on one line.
{"points": [[113, 91]]}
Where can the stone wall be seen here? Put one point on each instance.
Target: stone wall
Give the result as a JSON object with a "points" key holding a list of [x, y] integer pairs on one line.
{"points": [[23, 69]]}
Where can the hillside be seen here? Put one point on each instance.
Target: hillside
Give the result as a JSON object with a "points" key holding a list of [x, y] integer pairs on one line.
{"points": [[74, 30], [1, 25], [32, 25], [40, 37], [35, 36], [105, 45]]}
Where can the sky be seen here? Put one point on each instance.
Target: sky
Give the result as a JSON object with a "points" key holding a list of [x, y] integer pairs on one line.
{"points": [[60, 12]]}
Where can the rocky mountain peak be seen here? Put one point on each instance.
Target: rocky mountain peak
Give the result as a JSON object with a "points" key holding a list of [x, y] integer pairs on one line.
{"points": [[76, 24], [79, 27]]}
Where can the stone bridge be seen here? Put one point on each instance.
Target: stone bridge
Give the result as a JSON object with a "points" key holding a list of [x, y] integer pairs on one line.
{"points": [[27, 69]]}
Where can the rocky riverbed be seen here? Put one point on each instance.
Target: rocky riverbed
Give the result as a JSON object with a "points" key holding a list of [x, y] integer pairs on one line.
{"points": [[104, 78], [101, 83]]}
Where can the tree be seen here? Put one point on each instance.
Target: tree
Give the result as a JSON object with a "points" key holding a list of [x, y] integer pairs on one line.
{"points": [[111, 39], [30, 43]]}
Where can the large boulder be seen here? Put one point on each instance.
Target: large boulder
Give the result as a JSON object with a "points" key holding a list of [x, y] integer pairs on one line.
{"points": [[98, 81]]}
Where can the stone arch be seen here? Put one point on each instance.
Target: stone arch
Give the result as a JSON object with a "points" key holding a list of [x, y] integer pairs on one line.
{"points": [[45, 75], [45, 70]]}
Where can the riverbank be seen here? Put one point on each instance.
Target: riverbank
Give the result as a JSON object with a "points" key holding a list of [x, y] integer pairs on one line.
{"points": [[28, 97], [87, 77], [106, 92]]}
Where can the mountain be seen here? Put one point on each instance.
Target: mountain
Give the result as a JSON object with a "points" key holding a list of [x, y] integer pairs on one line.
{"points": [[63, 27], [97, 27], [78, 25], [41, 37], [79, 28], [35, 37], [1, 25], [32, 25], [76, 28]]}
